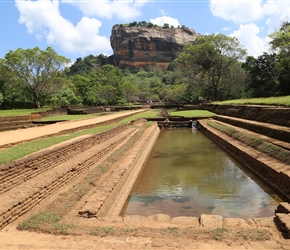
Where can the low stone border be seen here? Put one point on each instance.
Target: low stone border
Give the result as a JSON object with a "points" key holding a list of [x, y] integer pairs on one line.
{"points": [[275, 173], [206, 222], [282, 218], [21, 198], [109, 197]]}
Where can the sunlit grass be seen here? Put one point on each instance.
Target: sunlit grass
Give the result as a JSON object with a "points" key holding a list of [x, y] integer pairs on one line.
{"points": [[19, 112], [253, 141], [281, 100], [69, 117], [24, 149], [192, 113]]}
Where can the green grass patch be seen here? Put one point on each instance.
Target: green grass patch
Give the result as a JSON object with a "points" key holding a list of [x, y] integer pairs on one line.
{"points": [[38, 221], [68, 117], [24, 149], [252, 141], [19, 112], [281, 101], [192, 113]]}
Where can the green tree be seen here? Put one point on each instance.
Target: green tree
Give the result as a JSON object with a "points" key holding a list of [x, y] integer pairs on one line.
{"points": [[111, 80], [143, 23], [211, 58], [87, 87], [166, 25], [66, 96], [130, 91], [263, 73], [150, 25], [280, 44], [175, 93], [36, 69]]}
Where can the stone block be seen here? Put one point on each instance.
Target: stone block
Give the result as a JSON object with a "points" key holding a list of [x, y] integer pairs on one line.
{"points": [[211, 221], [186, 220], [283, 221], [283, 207], [235, 223], [162, 217], [134, 218]]}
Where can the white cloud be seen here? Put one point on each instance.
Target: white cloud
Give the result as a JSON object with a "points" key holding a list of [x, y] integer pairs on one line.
{"points": [[272, 12], [108, 9], [165, 19], [276, 11], [237, 11], [248, 35], [43, 18]]}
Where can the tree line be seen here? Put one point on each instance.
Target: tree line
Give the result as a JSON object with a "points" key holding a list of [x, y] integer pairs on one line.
{"points": [[215, 68]]}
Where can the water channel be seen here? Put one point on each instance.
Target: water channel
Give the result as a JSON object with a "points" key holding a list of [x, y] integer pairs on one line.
{"points": [[188, 175]]}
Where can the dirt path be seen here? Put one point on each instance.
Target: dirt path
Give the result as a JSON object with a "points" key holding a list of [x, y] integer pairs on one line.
{"points": [[14, 136]]}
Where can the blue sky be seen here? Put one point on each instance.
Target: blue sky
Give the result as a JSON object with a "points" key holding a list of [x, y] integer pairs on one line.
{"points": [[77, 28]]}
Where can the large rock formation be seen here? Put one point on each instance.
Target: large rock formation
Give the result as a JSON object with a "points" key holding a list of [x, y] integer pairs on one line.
{"points": [[141, 46]]}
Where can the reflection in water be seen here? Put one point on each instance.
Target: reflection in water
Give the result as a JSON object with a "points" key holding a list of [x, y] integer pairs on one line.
{"points": [[187, 175]]}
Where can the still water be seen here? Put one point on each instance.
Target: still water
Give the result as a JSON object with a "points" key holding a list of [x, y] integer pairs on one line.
{"points": [[187, 175]]}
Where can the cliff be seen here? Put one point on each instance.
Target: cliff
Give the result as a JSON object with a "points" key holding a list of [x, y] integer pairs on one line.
{"points": [[141, 46]]}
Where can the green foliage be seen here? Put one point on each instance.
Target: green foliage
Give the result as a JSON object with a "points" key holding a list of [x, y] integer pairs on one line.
{"points": [[87, 64], [264, 75], [281, 46], [209, 60], [66, 96], [17, 95], [165, 25], [35, 70], [150, 25], [1, 98], [133, 24]]}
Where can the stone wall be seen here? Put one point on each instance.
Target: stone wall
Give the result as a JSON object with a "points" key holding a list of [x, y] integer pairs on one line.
{"points": [[268, 172], [268, 114], [109, 197], [23, 184]]}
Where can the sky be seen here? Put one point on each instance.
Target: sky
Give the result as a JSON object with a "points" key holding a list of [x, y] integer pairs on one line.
{"points": [[78, 28]]}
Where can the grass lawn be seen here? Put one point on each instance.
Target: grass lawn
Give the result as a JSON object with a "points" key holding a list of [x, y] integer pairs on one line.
{"points": [[281, 100], [192, 113], [69, 117], [24, 149], [19, 112]]}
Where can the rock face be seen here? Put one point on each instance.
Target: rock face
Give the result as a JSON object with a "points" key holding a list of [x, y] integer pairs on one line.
{"points": [[142, 46]]}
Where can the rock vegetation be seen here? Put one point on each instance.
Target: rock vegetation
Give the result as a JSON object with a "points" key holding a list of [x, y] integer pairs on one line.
{"points": [[142, 46]]}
